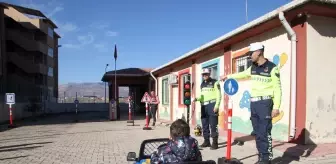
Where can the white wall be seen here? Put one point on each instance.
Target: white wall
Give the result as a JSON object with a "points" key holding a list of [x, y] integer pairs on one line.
{"points": [[321, 80]]}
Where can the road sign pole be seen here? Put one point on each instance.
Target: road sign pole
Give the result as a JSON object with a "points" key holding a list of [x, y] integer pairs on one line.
{"points": [[230, 89], [147, 119], [229, 133], [130, 119], [10, 100], [10, 115], [129, 110]]}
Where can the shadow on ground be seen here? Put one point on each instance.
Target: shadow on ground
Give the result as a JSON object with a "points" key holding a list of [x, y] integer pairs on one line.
{"points": [[298, 151], [294, 153], [22, 156], [21, 147]]}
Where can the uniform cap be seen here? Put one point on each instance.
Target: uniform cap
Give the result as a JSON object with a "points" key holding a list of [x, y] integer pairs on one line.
{"points": [[256, 46], [205, 71]]}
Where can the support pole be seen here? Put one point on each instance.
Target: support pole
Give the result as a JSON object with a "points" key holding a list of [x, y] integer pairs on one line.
{"points": [[11, 125], [147, 119]]}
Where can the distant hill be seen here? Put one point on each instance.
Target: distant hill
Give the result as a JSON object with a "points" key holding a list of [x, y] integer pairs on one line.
{"points": [[87, 89]]}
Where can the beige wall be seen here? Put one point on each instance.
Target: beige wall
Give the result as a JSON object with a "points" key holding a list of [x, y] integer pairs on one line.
{"points": [[321, 80]]}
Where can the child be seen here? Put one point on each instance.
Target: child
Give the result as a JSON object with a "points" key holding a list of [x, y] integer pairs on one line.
{"points": [[181, 147]]}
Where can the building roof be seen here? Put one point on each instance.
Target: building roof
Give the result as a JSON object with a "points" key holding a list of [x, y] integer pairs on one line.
{"points": [[25, 10], [29, 11], [2, 5], [269, 16], [128, 72]]}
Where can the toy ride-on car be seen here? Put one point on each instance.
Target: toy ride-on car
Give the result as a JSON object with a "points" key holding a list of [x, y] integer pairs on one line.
{"points": [[148, 147]]}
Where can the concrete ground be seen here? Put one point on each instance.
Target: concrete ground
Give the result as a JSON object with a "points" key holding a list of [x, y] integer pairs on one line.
{"points": [[94, 140]]}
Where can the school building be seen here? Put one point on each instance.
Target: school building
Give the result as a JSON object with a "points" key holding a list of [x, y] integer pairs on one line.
{"points": [[299, 37]]}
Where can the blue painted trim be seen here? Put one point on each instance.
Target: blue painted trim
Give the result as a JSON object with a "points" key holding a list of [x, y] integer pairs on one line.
{"points": [[210, 63]]}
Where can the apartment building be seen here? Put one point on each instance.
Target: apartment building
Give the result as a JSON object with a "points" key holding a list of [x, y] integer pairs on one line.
{"points": [[29, 58]]}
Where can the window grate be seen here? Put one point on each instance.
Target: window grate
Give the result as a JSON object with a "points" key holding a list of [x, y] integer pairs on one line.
{"points": [[242, 63]]}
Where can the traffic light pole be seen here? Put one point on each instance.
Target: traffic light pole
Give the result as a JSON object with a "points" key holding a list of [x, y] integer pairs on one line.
{"points": [[186, 95], [188, 113]]}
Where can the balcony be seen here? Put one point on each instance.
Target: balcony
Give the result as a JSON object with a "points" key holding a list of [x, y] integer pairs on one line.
{"points": [[27, 44], [27, 65]]}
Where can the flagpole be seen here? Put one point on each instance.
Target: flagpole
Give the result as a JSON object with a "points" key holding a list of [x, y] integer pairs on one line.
{"points": [[115, 78], [246, 11]]}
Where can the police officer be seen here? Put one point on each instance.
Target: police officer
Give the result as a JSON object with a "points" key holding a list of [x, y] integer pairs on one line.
{"points": [[210, 100], [265, 98]]}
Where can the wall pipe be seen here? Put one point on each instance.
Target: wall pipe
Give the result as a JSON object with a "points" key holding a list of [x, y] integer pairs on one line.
{"points": [[156, 84], [293, 39]]}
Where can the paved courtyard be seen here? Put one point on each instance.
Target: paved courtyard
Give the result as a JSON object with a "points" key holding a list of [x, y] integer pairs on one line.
{"points": [[93, 140]]}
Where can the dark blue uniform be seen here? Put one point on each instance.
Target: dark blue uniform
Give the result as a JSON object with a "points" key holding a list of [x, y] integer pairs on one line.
{"points": [[210, 99], [265, 96]]}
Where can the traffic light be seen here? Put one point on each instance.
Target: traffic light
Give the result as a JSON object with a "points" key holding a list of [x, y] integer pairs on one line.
{"points": [[187, 93]]}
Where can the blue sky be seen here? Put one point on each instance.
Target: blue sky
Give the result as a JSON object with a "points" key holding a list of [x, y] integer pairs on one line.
{"points": [[148, 33]]}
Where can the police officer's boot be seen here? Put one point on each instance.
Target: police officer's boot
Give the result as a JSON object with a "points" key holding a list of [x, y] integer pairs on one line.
{"points": [[214, 144], [206, 143]]}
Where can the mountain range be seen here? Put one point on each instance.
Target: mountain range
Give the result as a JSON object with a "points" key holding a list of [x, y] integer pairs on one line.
{"points": [[87, 89]]}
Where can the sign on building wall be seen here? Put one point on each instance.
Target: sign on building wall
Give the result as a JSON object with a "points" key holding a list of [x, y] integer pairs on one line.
{"points": [[173, 79]]}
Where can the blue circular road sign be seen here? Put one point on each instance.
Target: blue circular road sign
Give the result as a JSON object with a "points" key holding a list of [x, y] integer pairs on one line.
{"points": [[231, 87], [112, 101], [76, 101]]}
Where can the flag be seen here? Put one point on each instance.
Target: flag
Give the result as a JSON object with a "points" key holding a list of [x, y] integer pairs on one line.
{"points": [[115, 52]]}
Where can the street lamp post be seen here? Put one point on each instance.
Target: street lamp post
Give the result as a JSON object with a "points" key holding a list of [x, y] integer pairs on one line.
{"points": [[105, 82]]}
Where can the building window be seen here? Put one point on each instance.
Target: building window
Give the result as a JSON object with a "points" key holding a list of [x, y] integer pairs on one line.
{"points": [[165, 91], [213, 65], [241, 63], [50, 52], [50, 72], [51, 32], [182, 79]]}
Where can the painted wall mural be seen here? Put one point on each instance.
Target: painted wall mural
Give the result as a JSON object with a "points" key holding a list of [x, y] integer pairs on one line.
{"points": [[242, 124], [280, 60]]}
